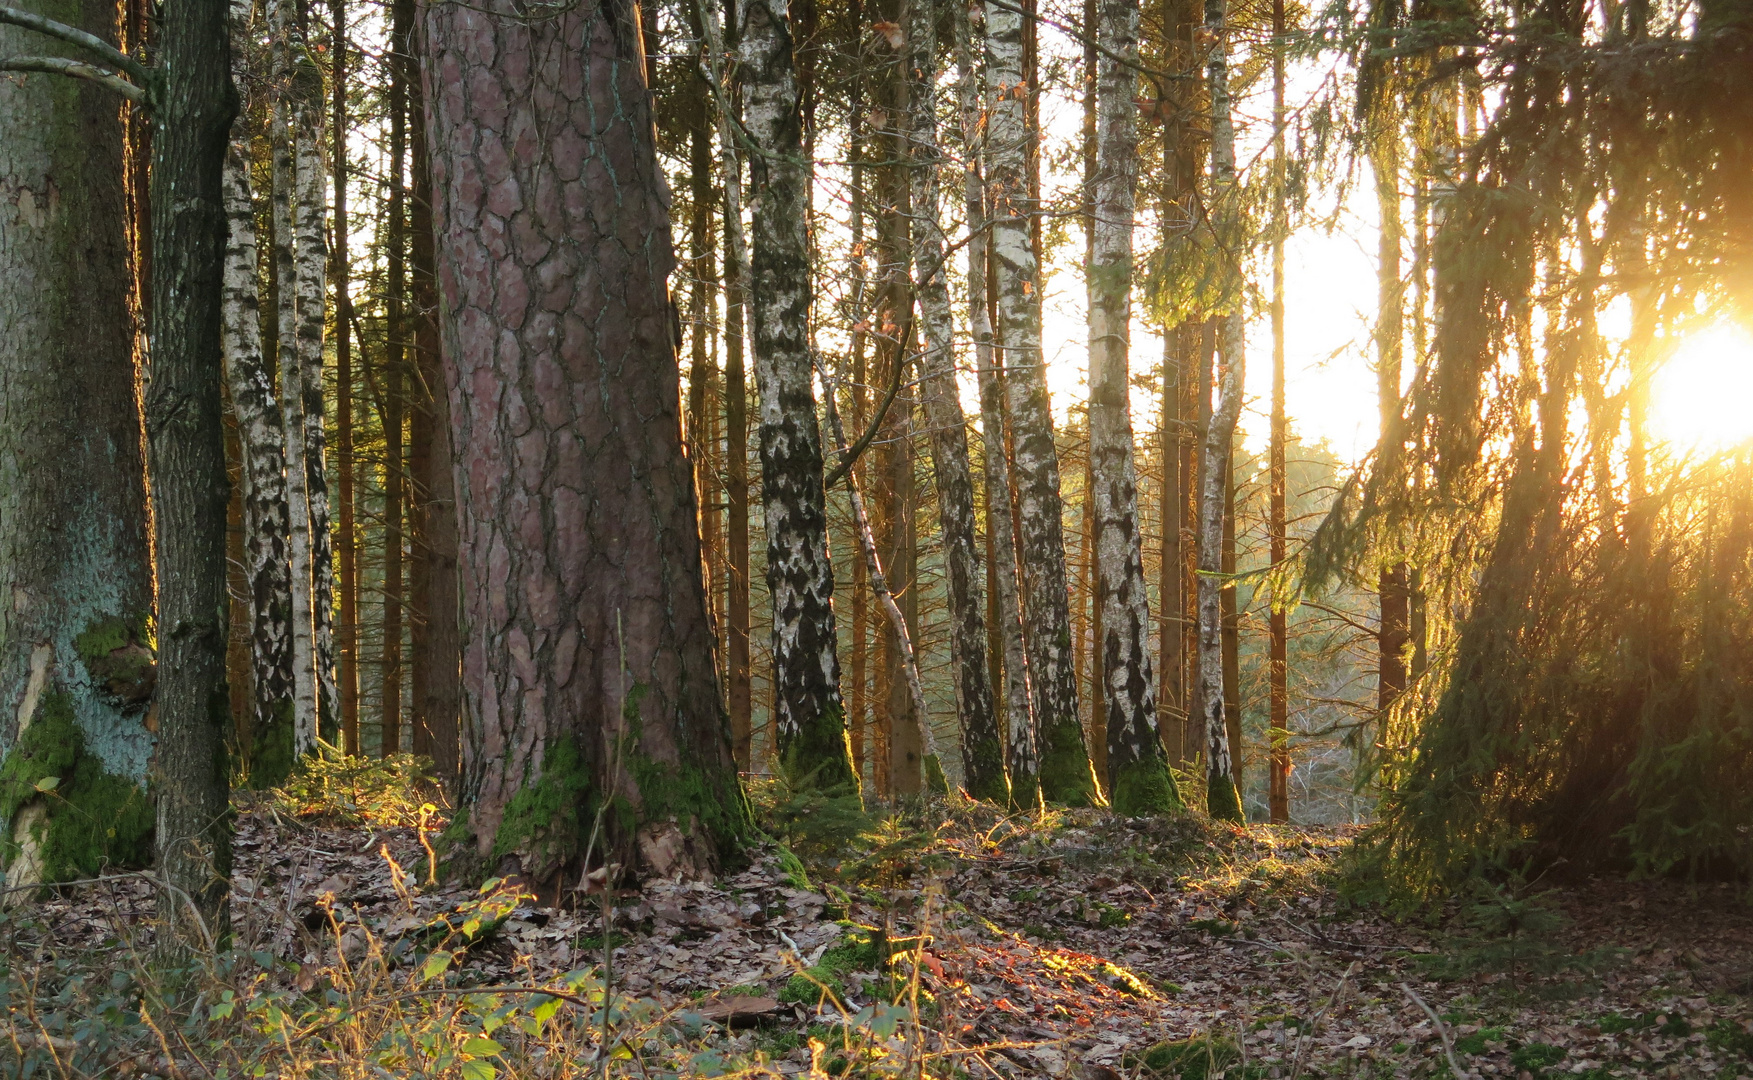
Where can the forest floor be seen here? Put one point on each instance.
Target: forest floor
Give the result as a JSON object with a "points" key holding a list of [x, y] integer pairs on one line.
{"points": [[949, 941]]}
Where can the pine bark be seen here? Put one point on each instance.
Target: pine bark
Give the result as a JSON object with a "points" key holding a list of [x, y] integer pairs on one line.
{"points": [[1065, 771], [1138, 776], [982, 751], [1278, 720], [185, 439], [75, 670], [1223, 800], [261, 438], [1393, 631], [809, 719], [588, 659]]}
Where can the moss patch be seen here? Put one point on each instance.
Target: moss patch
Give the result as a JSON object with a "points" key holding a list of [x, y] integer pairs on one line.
{"points": [[820, 756], [547, 823], [1202, 1057], [118, 654], [1145, 787], [863, 950], [271, 758], [1222, 801], [1066, 775], [92, 818]]}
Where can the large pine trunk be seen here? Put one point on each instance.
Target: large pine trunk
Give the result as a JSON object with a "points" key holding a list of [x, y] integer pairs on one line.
{"points": [[1064, 763], [809, 720], [182, 407], [595, 729], [1138, 777], [262, 440], [75, 670]]}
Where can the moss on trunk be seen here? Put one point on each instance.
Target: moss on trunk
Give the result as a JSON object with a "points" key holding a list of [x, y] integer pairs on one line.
{"points": [[1145, 787]]}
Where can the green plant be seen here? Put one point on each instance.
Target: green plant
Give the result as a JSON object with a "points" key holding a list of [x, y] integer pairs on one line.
{"points": [[1535, 1057]]}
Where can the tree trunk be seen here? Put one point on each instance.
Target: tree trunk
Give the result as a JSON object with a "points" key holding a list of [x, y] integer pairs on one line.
{"points": [[261, 437], [1064, 763], [809, 720], [390, 381], [1394, 630], [76, 671], [857, 699], [186, 459], [1138, 777], [1278, 731], [1223, 800], [347, 584], [435, 655], [982, 752], [588, 665]]}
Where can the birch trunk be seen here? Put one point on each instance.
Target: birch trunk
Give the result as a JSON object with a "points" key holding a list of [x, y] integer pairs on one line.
{"points": [[262, 438], [313, 261], [1065, 771], [809, 719], [76, 672], [1223, 801], [1138, 777], [982, 752]]}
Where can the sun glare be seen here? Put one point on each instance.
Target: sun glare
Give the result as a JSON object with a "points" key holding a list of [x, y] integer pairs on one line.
{"points": [[1702, 398]]}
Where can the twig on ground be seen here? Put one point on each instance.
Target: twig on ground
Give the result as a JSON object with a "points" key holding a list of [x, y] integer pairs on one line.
{"points": [[1442, 1030]]}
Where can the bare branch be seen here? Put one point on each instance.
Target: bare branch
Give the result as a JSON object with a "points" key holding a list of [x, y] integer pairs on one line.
{"points": [[109, 54], [56, 65]]}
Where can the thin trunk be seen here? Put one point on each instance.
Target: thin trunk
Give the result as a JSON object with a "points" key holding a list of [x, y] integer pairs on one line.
{"points": [[858, 714], [982, 751], [186, 458], [1223, 800], [347, 632], [435, 630], [1065, 771], [76, 667], [390, 383], [588, 662], [701, 403], [1138, 777], [1278, 769], [1393, 631], [736, 412], [1232, 637], [809, 719], [262, 439]]}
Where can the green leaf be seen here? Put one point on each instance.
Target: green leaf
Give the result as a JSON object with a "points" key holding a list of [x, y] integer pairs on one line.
{"points": [[481, 1047], [221, 1010], [479, 1070], [48, 783], [435, 965]]}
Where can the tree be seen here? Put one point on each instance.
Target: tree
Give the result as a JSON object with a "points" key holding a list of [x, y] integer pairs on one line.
{"points": [[1064, 763], [1138, 777], [76, 661], [809, 719], [1278, 721], [982, 750], [1222, 799], [588, 672]]}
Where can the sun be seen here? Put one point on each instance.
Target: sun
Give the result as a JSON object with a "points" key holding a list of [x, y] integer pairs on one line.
{"points": [[1702, 398]]}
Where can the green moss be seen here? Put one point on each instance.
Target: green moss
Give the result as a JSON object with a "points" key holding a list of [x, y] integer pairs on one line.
{"points": [[983, 764], [1202, 1057], [935, 781], [1145, 787], [1066, 775], [862, 950], [271, 757], [820, 756], [1222, 801], [118, 655], [1475, 1043], [547, 822], [92, 818]]}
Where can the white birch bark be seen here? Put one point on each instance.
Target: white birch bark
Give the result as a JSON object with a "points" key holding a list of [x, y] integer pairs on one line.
{"points": [[1222, 800], [1138, 778], [313, 262]]}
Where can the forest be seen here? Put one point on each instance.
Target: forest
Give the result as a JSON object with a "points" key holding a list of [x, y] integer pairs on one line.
{"points": [[876, 538]]}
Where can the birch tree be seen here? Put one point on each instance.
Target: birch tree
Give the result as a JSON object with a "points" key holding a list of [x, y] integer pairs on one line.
{"points": [[1064, 762], [1138, 776], [809, 719]]}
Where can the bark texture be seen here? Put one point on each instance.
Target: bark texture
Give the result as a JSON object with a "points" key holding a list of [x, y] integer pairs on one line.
{"points": [[186, 459], [75, 575], [587, 666], [982, 750], [809, 719], [1223, 801], [262, 440], [1138, 777], [1065, 768]]}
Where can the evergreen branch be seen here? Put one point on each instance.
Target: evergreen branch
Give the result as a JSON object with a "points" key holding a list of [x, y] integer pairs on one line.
{"points": [[56, 65], [109, 54]]}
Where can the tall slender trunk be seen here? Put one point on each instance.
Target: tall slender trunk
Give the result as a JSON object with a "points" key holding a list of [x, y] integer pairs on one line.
{"points": [[810, 722], [1022, 759], [261, 438], [1065, 771], [982, 751], [435, 631], [390, 382], [1223, 800], [1201, 356], [347, 533], [858, 711], [702, 403], [1393, 630], [736, 413], [1138, 777], [76, 667], [1278, 720], [588, 665], [186, 459]]}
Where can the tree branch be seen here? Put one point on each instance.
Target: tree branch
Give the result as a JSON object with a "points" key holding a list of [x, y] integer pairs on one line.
{"points": [[56, 65], [109, 54]]}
